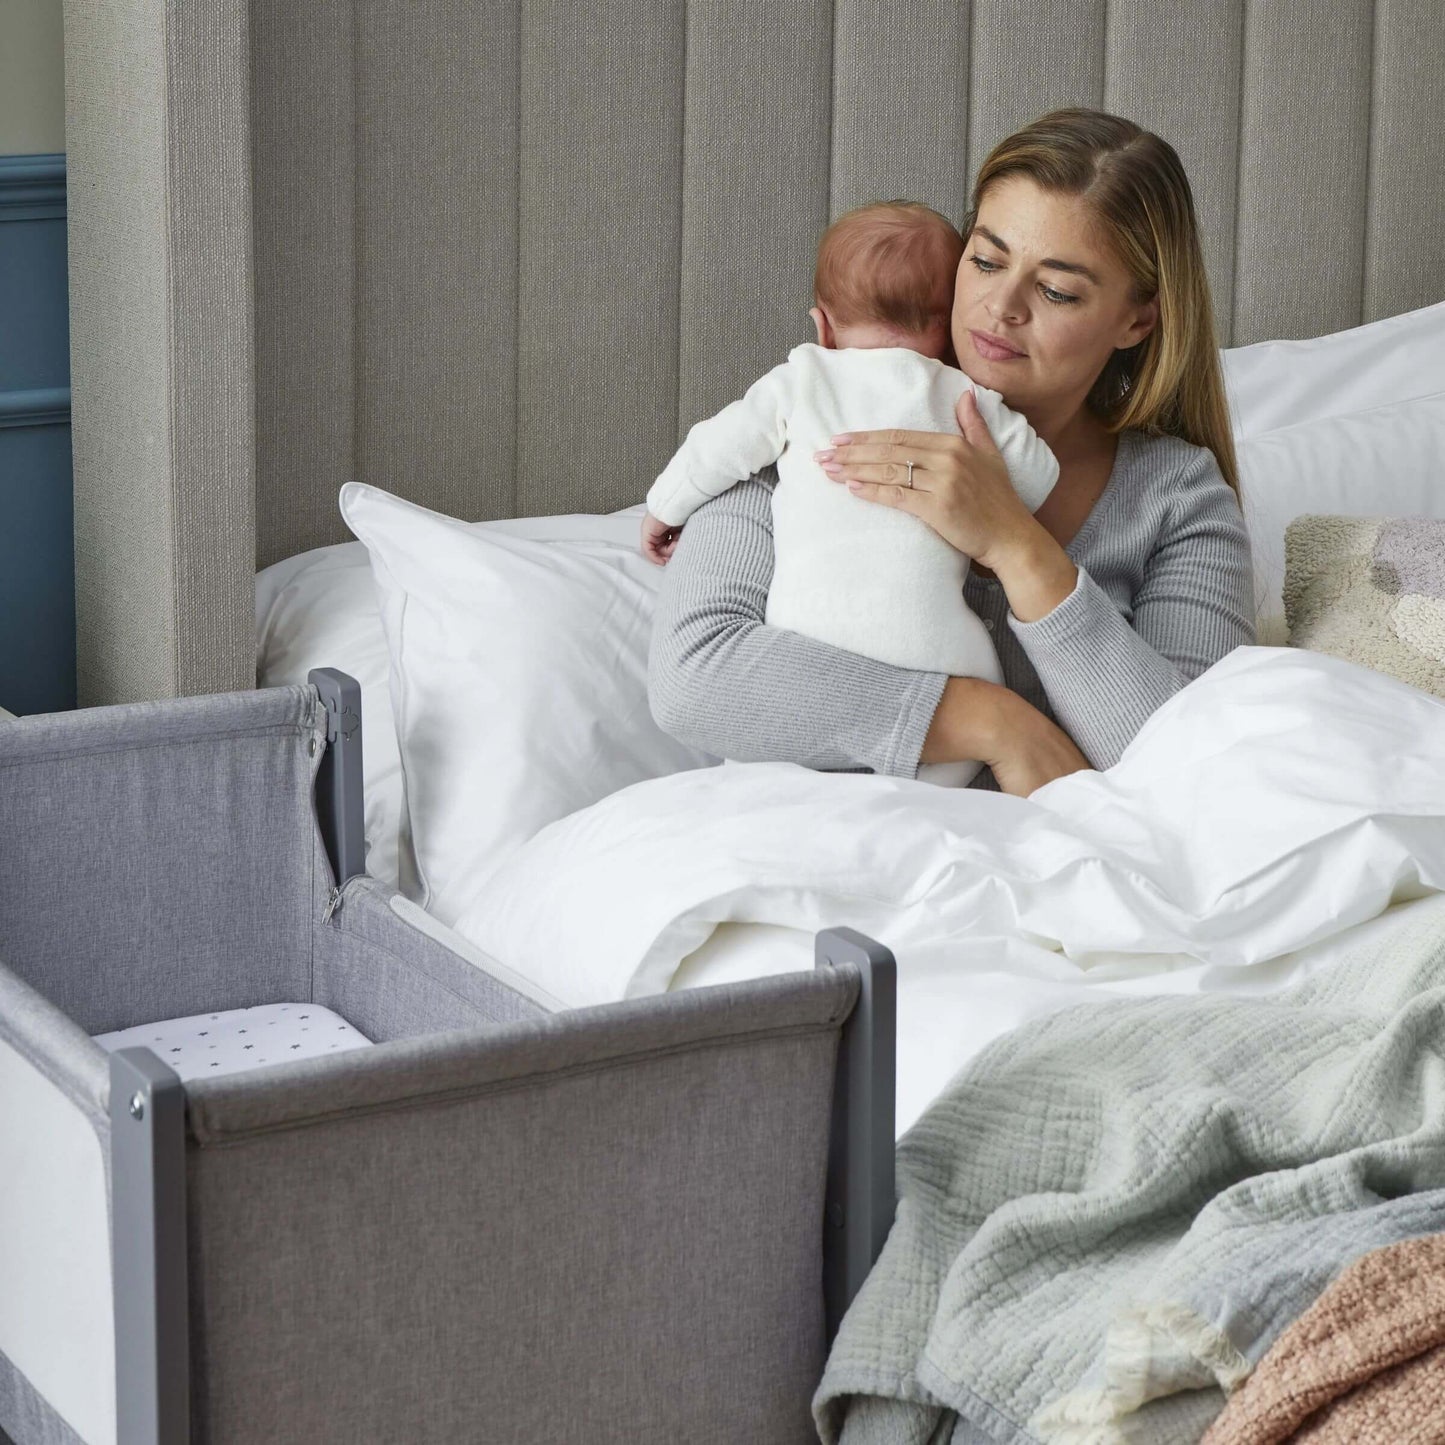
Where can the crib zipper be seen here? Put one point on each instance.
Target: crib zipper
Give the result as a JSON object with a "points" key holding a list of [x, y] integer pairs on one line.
{"points": [[337, 897]]}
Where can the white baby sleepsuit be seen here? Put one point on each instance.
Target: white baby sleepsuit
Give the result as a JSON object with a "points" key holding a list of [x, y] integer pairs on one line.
{"points": [[872, 579]]}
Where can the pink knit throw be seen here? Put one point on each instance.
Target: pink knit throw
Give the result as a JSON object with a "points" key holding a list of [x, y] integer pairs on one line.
{"points": [[1364, 1365]]}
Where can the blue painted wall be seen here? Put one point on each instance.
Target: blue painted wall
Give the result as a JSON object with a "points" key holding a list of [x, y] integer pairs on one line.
{"points": [[37, 558]]}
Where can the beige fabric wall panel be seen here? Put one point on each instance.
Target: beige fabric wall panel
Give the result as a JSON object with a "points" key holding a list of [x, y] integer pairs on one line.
{"points": [[600, 220], [1029, 58], [161, 354], [755, 191], [302, 119], [120, 384], [900, 105], [1407, 160], [1176, 72], [436, 252], [212, 357], [1304, 147]]}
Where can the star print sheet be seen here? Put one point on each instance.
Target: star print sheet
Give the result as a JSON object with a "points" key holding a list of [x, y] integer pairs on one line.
{"points": [[240, 1038]]}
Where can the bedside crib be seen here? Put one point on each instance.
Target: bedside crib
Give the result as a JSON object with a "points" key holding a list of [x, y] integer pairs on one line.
{"points": [[493, 1223]]}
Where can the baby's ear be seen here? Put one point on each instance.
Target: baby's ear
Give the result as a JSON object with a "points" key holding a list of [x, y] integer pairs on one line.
{"points": [[820, 325]]}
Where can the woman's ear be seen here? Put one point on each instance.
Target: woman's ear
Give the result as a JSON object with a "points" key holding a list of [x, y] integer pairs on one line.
{"points": [[1145, 320]]}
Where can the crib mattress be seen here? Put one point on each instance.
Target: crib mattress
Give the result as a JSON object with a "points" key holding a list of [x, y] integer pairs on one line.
{"points": [[237, 1039]]}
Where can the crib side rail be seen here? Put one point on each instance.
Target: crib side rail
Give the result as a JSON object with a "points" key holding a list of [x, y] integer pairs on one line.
{"points": [[859, 1206], [148, 1231]]}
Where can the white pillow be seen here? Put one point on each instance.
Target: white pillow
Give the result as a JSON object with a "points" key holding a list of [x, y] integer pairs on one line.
{"points": [[319, 609], [1275, 384], [518, 674], [1351, 424]]}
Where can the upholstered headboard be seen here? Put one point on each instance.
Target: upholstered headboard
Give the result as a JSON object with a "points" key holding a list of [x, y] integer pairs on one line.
{"points": [[497, 257]]}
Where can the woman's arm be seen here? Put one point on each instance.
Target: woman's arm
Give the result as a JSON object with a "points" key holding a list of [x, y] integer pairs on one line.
{"points": [[722, 680], [1022, 748], [1103, 674]]}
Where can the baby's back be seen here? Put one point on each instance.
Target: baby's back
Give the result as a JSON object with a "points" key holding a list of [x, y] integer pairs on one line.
{"points": [[862, 575]]}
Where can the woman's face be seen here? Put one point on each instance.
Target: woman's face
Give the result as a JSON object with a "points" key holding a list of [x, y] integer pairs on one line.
{"points": [[1041, 303]]}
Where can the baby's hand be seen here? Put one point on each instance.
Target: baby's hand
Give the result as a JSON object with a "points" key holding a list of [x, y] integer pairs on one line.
{"points": [[658, 539]]}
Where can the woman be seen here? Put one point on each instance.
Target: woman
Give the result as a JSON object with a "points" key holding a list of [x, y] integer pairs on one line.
{"points": [[1082, 299]]}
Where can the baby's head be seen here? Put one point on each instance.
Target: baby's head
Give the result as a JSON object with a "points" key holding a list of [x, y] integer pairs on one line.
{"points": [[885, 277]]}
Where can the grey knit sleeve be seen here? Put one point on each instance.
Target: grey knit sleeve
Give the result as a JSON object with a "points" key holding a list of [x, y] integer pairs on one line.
{"points": [[1105, 674], [723, 680]]}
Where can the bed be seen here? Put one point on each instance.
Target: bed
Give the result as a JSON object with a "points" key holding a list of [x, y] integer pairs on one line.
{"points": [[294, 267]]}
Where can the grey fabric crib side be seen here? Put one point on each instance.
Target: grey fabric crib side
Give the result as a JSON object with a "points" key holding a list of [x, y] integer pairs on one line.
{"points": [[602, 1227], [498, 1223]]}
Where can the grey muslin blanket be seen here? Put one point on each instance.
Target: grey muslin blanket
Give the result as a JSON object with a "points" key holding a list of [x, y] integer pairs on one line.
{"points": [[1113, 1212]]}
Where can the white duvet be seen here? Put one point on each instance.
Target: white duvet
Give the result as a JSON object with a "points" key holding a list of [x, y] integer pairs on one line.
{"points": [[1277, 802]]}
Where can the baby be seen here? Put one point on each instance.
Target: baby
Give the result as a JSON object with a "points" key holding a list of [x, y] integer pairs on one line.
{"points": [[872, 579]]}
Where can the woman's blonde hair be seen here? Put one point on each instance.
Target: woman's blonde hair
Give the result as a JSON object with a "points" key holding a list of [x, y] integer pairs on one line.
{"points": [[1134, 183]]}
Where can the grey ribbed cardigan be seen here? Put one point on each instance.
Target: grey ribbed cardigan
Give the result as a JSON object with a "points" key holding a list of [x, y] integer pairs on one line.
{"points": [[1165, 590]]}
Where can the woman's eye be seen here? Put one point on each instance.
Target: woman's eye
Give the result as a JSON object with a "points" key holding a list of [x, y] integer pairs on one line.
{"points": [[1059, 298]]}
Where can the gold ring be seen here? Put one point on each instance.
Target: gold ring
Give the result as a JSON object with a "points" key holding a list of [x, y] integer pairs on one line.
{"points": [[910, 474]]}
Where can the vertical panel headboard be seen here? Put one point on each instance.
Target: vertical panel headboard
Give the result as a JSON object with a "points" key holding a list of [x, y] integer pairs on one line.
{"points": [[497, 258]]}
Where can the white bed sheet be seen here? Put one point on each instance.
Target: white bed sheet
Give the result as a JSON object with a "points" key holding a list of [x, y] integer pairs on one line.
{"points": [[1266, 813], [982, 1005]]}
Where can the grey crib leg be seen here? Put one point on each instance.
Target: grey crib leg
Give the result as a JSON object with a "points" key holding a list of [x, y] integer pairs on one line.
{"points": [[340, 806], [148, 1247], [859, 1204]]}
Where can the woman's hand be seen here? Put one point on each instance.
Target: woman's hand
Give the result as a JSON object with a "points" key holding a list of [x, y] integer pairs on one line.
{"points": [[1035, 753], [978, 719], [961, 486]]}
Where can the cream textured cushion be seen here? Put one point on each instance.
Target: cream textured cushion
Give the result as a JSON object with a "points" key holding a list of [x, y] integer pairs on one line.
{"points": [[1370, 590]]}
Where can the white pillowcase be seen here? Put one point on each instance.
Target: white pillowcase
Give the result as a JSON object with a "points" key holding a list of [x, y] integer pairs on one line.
{"points": [[1351, 424], [518, 674], [319, 609]]}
